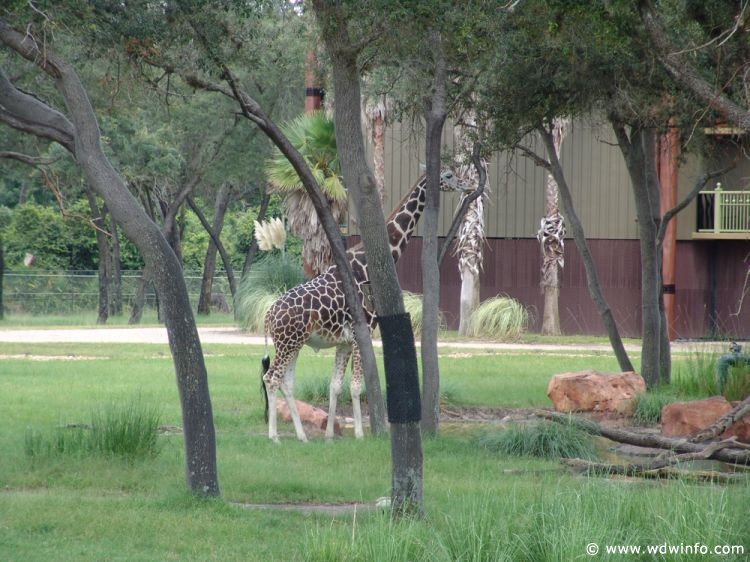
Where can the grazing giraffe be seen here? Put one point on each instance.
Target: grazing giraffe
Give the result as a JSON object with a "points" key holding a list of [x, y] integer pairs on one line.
{"points": [[314, 314]]}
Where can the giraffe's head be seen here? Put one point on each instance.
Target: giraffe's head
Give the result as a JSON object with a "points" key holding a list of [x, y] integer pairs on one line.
{"points": [[450, 181]]}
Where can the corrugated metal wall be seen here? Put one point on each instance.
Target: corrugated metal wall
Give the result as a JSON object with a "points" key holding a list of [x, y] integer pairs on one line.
{"points": [[594, 168]]}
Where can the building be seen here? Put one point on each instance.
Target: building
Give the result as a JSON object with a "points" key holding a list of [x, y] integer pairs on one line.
{"points": [[712, 252]]}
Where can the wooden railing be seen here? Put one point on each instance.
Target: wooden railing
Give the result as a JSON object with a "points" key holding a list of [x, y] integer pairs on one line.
{"points": [[723, 211]]}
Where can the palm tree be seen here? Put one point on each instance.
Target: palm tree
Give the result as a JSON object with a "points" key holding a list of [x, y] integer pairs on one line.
{"points": [[313, 135], [376, 110], [471, 233], [551, 237]]}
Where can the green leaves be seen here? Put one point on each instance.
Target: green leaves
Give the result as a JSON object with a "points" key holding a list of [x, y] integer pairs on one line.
{"points": [[314, 136]]}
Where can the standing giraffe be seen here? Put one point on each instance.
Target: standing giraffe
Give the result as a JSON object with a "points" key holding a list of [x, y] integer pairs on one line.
{"points": [[314, 313]]}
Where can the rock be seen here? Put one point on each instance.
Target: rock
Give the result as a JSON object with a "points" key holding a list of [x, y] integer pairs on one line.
{"points": [[682, 419], [308, 414], [592, 391]]}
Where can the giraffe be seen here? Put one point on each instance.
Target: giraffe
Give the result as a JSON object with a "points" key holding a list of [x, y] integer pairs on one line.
{"points": [[314, 314]]}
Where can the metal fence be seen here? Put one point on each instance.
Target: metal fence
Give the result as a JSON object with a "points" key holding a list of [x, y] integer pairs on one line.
{"points": [[68, 292]]}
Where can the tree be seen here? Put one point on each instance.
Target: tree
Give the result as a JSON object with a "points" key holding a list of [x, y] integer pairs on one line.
{"points": [[313, 135], [214, 229], [402, 386], [471, 233], [551, 236], [78, 133]]}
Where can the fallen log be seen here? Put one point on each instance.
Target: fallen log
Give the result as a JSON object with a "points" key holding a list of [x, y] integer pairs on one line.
{"points": [[723, 423], [737, 454], [648, 471]]}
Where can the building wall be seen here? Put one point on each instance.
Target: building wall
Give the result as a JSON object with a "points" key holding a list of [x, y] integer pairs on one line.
{"points": [[593, 166], [512, 268]]}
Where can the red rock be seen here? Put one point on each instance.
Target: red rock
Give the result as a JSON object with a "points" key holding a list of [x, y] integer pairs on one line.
{"points": [[592, 391], [308, 414], [682, 419]]}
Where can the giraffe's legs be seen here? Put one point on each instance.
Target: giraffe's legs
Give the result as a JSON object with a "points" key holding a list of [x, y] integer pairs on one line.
{"points": [[356, 390], [343, 352], [284, 359], [287, 388]]}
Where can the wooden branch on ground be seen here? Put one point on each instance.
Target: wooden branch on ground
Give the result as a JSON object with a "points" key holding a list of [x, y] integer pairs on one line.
{"points": [[723, 423], [646, 471], [733, 455]]}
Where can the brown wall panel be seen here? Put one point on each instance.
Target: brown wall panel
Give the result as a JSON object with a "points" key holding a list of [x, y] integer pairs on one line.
{"points": [[512, 267]]}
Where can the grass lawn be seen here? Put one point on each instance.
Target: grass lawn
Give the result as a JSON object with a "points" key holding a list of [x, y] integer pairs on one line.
{"points": [[88, 319], [479, 504]]}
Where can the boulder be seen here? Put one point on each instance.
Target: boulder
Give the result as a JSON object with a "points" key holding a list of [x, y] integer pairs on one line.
{"points": [[309, 414], [592, 391], [682, 419]]}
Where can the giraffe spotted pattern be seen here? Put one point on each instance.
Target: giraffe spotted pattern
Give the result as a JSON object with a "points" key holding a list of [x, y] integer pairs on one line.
{"points": [[315, 314]]}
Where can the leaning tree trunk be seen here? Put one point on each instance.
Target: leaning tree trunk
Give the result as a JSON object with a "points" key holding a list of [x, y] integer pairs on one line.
{"points": [[80, 135], [103, 248], [209, 264], [551, 236]]}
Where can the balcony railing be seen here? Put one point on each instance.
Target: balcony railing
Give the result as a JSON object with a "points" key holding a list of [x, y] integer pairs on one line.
{"points": [[722, 211]]}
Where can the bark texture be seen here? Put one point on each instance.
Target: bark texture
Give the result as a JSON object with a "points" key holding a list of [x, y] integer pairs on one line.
{"points": [[103, 248], [435, 115], [406, 441], [80, 135], [639, 151]]}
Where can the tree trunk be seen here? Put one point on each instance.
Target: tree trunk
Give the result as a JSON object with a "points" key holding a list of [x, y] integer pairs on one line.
{"points": [[551, 236], [469, 300], [551, 317], [2, 278], [398, 345], [115, 279], [209, 264], [378, 155], [103, 248], [81, 136], [139, 301], [566, 201], [639, 151], [253, 249], [435, 114]]}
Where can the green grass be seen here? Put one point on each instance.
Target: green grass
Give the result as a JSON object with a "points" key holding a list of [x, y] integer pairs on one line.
{"points": [[648, 406], [128, 430], [499, 318], [479, 504]]}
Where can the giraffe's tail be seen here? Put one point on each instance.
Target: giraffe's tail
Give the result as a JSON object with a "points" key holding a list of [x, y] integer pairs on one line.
{"points": [[265, 365]]}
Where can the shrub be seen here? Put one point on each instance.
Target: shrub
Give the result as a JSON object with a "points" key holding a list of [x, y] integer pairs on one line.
{"points": [[499, 318], [129, 430], [544, 439], [266, 281]]}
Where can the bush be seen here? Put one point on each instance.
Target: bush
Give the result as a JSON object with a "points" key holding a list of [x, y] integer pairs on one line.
{"points": [[266, 281], [544, 439], [499, 318], [129, 431]]}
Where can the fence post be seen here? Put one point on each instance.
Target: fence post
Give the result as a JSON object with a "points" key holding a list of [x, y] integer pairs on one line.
{"points": [[717, 208]]}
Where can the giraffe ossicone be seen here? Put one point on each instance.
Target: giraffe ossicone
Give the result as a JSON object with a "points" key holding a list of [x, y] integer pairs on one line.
{"points": [[314, 314]]}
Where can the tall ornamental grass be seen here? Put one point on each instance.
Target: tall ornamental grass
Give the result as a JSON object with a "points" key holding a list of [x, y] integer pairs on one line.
{"points": [[499, 318], [266, 281]]}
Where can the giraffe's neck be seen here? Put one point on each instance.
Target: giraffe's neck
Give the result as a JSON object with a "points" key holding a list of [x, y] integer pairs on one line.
{"points": [[404, 218]]}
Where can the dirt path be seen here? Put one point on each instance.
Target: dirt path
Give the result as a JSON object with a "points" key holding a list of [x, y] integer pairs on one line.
{"points": [[231, 335]]}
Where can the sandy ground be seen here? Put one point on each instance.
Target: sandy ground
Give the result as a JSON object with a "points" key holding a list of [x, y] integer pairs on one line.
{"points": [[231, 335]]}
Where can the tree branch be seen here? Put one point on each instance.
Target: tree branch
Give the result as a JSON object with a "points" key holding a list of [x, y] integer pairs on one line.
{"points": [[684, 73], [27, 159]]}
